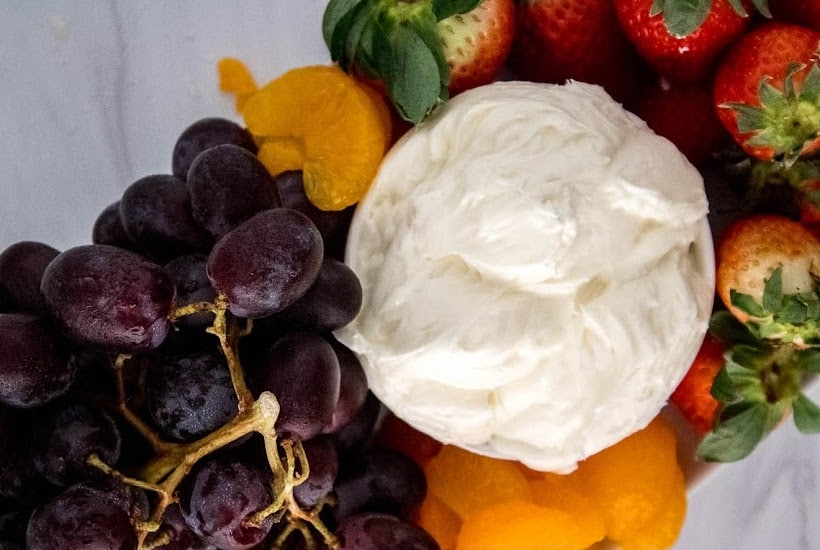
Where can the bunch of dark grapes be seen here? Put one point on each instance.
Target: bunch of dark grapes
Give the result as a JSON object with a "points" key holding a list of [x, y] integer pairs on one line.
{"points": [[175, 383]]}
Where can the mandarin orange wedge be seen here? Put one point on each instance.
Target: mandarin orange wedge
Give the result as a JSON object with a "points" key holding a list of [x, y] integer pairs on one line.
{"points": [[319, 120], [522, 525], [631, 481], [467, 482]]}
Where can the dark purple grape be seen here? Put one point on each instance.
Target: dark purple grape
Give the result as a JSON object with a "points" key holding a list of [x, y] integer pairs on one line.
{"points": [[220, 496], [332, 224], [352, 390], [379, 480], [13, 529], [191, 280], [156, 213], [20, 483], [81, 518], [351, 438], [67, 435], [190, 395], [204, 134], [21, 268], [180, 536], [302, 371], [267, 262], [108, 229], [110, 298], [382, 532], [34, 365], [228, 185], [323, 460], [332, 302]]}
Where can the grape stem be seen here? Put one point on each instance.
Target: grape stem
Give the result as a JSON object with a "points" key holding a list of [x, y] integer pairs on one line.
{"points": [[227, 331], [173, 461]]}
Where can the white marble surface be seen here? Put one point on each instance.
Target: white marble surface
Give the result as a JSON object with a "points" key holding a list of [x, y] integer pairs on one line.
{"points": [[93, 95]]}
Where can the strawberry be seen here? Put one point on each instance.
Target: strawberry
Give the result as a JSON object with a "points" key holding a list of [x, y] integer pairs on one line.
{"points": [[685, 115], [424, 50], [799, 12], [767, 90], [477, 44], [557, 40], [693, 395], [766, 277], [682, 43], [752, 248]]}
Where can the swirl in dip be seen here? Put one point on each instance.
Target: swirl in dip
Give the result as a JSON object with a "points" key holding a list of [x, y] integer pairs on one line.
{"points": [[537, 273]]}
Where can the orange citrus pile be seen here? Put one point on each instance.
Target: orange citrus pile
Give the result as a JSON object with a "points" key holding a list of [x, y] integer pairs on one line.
{"points": [[316, 119], [631, 494]]}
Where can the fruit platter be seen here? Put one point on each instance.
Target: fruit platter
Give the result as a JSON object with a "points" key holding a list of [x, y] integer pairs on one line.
{"points": [[414, 275]]}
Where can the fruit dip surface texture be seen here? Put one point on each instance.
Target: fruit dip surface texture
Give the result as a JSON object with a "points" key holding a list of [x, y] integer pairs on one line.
{"points": [[533, 285]]}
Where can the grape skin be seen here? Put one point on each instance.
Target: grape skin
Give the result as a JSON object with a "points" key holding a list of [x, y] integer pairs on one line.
{"points": [[204, 134], [330, 303], [67, 435], [267, 262], [108, 229], [302, 371], [21, 269], [192, 286], [219, 496], [105, 524], [382, 532], [110, 298], [380, 480], [323, 460], [332, 224], [190, 395], [156, 214], [34, 362], [352, 390], [228, 185]]}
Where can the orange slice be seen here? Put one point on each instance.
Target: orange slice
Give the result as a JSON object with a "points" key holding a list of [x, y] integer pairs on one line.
{"points": [[319, 120], [523, 526], [631, 481]]}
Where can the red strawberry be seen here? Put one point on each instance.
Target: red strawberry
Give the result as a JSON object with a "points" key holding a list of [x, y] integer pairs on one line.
{"points": [[767, 89], [682, 45], [693, 395], [799, 12], [422, 50], [685, 115], [557, 40], [476, 44], [752, 248]]}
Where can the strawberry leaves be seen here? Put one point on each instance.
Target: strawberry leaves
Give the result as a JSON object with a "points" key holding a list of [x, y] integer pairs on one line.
{"points": [[683, 17], [787, 119], [770, 358], [396, 42]]}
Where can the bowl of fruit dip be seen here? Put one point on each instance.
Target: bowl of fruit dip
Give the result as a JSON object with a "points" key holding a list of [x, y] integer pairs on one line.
{"points": [[538, 273]]}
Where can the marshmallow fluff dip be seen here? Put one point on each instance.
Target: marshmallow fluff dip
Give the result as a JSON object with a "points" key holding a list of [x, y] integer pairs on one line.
{"points": [[537, 273]]}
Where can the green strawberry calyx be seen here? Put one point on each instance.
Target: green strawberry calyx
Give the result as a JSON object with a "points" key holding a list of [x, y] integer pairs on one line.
{"points": [[788, 119], [768, 362], [684, 17], [396, 42]]}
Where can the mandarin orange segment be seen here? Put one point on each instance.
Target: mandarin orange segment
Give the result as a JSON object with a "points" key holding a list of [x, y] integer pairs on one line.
{"points": [[566, 494], [467, 482], [631, 480], [522, 525], [664, 527], [235, 78], [440, 521], [329, 117]]}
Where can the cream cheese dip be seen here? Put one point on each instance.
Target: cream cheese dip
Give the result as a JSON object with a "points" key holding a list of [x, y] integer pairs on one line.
{"points": [[537, 273]]}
